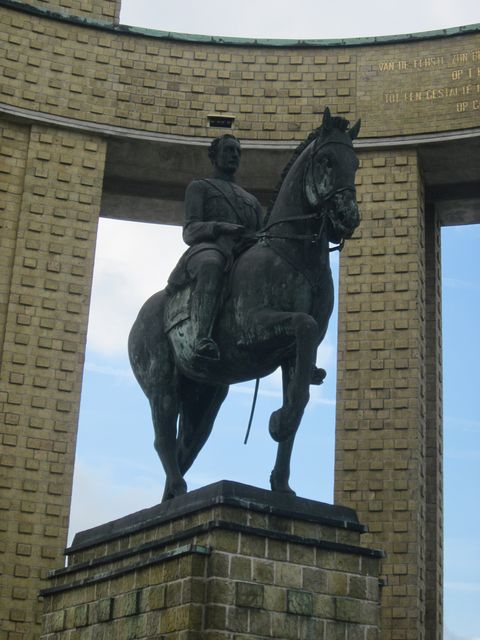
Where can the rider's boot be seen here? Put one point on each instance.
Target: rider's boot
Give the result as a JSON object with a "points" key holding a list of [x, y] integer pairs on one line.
{"points": [[204, 311]]}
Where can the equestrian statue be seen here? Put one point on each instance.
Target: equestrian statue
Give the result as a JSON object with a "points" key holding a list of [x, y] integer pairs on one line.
{"points": [[248, 296]]}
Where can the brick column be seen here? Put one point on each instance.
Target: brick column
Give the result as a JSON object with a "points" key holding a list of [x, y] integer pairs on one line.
{"points": [[52, 181], [434, 435], [381, 405]]}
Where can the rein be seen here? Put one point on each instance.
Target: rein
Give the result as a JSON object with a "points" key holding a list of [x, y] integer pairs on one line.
{"points": [[314, 237], [310, 216], [263, 235]]}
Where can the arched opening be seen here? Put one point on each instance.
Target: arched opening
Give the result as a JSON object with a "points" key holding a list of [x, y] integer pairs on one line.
{"points": [[117, 470]]}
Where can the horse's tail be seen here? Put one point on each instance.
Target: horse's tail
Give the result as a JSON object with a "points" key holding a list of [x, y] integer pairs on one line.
{"points": [[148, 346]]}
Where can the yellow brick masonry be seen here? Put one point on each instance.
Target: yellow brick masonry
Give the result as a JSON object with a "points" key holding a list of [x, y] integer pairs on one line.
{"points": [[243, 586], [389, 376], [102, 10], [13, 157], [50, 226], [165, 86], [380, 459]]}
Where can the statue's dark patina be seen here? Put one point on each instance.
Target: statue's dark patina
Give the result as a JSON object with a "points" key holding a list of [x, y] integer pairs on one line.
{"points": [[220, 219], [274, 311]]}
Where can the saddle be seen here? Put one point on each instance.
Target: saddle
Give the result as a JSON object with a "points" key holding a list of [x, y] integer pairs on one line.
{"points": [[180, 285], [178, 306]]}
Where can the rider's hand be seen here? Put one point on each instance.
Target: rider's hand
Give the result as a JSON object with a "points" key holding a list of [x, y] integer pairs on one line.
{"points": [[230, 229]]}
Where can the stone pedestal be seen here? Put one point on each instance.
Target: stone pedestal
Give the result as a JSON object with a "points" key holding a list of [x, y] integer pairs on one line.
{"points": [[227, 561]]}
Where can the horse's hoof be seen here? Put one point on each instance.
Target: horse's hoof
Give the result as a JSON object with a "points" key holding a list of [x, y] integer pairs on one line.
{"points": [[281, 486], [174, 489], [179, 488], [277, 428], [287, 491]]}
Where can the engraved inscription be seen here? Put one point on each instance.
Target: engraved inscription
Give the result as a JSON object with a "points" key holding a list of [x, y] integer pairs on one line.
{"points": [[458, 80], [430, 62]]}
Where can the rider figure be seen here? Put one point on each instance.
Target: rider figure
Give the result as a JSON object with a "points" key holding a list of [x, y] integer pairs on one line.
{"points": [[220, 218]]}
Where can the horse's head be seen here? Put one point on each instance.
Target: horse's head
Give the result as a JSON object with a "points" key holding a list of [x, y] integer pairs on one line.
{"points": [[329, 176]]}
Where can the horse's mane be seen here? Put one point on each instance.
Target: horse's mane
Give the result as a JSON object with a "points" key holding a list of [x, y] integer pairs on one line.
{"points": [[337, 122]]}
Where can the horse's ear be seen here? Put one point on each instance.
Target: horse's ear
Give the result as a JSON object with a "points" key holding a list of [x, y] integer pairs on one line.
{"points": [[354, 131], [327, 120]]}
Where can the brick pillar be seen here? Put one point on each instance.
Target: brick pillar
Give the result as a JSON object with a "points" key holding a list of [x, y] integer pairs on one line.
{"points": [[434, 435], [381, 406], [52, 184]]}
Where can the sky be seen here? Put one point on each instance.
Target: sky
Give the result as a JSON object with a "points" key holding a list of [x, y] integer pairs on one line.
{"points": [[117, 471]]}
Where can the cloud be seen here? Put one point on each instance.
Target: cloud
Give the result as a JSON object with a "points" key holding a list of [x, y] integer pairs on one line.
{"points": [[281, 19], [450, 635], [99, 496], [115, 372], [133, 261]]}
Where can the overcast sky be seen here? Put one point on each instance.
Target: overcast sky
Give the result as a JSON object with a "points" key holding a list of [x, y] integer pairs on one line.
{"points": [[117, 471], [301, 19]]}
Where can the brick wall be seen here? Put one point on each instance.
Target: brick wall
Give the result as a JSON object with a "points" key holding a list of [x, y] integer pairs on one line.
{"points": [[100, 10], [380, 458], [77, 76], [160, 85], [50, 225]]}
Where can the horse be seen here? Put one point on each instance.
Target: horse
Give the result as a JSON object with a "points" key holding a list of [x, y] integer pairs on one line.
{"points": [[275, 312]]}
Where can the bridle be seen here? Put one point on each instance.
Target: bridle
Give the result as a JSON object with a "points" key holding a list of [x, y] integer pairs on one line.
{"points": [[319, 212], [320, 200], [263, 236]]}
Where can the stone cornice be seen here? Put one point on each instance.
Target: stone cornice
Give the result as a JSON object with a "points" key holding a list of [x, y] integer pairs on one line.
{"points": [[112, 131]]}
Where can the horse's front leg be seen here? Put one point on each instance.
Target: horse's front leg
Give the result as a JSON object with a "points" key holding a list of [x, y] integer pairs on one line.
{"points": [[281, 471], [297, 378]]}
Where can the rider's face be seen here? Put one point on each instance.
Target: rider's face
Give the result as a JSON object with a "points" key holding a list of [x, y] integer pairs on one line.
{"points": [[227, 159]]}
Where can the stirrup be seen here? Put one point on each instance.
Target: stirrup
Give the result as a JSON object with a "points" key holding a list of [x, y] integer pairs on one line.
{"points": [[207, 348]]}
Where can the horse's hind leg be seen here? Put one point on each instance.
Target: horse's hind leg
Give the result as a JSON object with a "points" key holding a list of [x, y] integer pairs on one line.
{"points": [[154, 368], [281, 472], [164, 402], [200, 404]]}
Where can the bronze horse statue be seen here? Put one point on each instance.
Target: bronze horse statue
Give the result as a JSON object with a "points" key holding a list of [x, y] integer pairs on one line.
{"points": [[275, 312]]}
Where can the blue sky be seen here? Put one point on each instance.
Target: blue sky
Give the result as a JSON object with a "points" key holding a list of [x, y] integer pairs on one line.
{"points": [[117, 470]]}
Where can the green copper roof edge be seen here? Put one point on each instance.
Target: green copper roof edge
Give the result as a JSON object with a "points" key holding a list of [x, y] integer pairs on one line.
{"points": [[227, 40], [306, 42]]}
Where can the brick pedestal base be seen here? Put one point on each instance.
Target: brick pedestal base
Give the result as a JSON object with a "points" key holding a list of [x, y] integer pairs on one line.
{"points": [[228, 561]]}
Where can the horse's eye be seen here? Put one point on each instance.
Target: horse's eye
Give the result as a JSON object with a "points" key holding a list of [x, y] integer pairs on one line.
{"points": [[325, 162]]}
